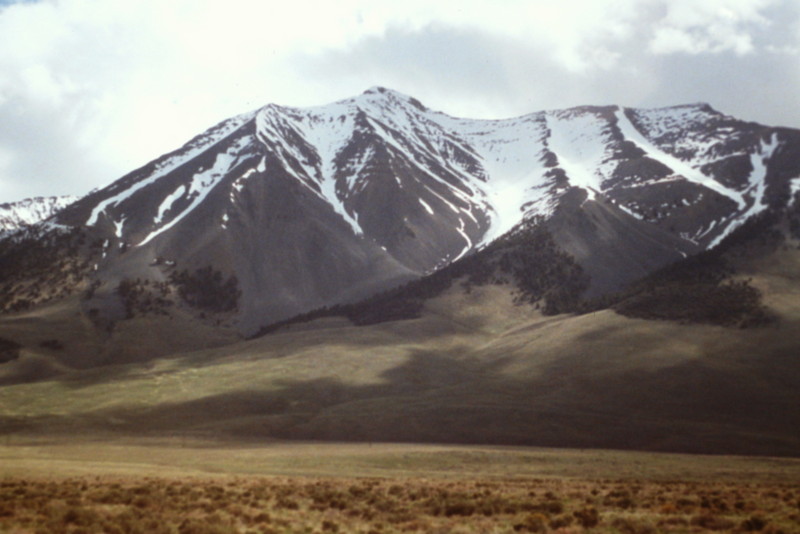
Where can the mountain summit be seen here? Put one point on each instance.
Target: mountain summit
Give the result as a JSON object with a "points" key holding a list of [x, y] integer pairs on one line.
{"points": [[16, 215], [291, 209]]}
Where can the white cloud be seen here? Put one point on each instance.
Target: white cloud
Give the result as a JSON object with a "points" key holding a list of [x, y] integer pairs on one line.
{"points": [[5, 158], [90, 89], [38, 83], [710, 26]]}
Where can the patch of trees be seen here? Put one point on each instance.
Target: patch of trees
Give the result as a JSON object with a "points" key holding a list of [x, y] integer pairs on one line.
{"points": [[141, 297], [204, 289], [700, 289], [536, 264], [732, 303], [207, 289], [9, 350], [759, 232], [90, 291], [36, 267]]}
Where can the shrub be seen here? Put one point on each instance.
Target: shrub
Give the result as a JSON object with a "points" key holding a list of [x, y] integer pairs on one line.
{"points": [[561, 521], [329, 526], [631, 526], [712, 522], [206, 526], [753, 524], [588, 517], [532, 523]]}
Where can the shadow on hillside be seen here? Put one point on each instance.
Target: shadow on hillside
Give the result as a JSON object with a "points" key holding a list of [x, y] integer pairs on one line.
{"points": [[100, 375], [29, 368], [37, 368], [305, 400], [284, 343], [436, 397]]}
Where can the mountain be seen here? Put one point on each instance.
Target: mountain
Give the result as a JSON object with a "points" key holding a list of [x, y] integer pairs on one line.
{"points": [[373, 269], [15, 215], [283, 210]]}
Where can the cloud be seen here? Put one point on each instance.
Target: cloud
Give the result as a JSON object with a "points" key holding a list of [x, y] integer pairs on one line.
{"points": [[90, 89], [710, 26], [480, 73]]}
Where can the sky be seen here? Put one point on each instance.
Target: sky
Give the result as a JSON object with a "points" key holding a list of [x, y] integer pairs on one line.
{"points": [[92, 89]]}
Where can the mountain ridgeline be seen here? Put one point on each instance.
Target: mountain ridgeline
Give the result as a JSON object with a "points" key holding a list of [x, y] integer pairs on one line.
{"points": [[282, 211], [375, 270], [16, 215]]}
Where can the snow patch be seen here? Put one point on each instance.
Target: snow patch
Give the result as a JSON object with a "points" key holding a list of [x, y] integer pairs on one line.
{"points": [[679, 167], [14, 215], [326, 130], [697, 138], [757, 186], [426, 206], [466, 238], [171, 163], [203, 183], [577, 141], [238, 184], [167, 203], [354, 168], [629, 211], [794, 185], [510, 152], [118, 227]]}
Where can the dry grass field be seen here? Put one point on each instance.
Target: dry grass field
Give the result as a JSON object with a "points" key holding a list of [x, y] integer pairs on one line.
{"points": [[190, 487]]}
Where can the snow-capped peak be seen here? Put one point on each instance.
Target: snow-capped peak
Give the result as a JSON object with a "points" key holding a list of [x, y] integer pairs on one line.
{"points": [[311, 207], [14, 215], [479, 178]]}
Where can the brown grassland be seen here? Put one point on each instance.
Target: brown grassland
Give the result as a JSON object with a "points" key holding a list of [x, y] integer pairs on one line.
{"points": [[214, 488], [371, 505]]}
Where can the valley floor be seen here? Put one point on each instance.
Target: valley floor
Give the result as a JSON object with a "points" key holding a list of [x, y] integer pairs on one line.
{"points": [[183, 485]]}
